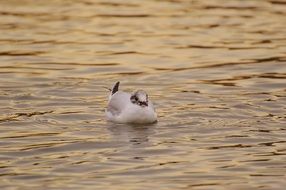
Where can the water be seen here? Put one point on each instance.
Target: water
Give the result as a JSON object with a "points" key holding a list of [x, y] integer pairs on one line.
{"points": [[214, 69]]}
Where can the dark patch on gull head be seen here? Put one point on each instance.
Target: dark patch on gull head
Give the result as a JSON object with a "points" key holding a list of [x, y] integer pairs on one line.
{"points": [[140, 98]]}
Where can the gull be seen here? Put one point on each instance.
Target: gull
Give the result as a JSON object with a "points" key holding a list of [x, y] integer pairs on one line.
{"points": [[133, 108]]}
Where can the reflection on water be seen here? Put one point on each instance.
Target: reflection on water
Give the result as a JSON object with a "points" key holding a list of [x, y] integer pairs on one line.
{"points": [[215, 70]]}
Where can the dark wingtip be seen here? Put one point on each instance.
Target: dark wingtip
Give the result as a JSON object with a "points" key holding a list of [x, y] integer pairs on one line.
{"points": [[115, 87]]}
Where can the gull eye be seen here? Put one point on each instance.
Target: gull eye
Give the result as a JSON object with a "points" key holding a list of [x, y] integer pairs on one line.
{"points": [[136, 99]]}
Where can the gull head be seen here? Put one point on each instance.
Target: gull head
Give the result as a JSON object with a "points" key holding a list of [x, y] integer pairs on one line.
{"points": [[140, 98]]}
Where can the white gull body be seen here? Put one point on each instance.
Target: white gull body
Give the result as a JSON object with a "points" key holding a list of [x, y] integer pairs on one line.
{"points": [[122, 107]]}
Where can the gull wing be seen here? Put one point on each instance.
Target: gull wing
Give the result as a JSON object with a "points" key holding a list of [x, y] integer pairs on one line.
{"points": [[118, 102], [114, 89]]}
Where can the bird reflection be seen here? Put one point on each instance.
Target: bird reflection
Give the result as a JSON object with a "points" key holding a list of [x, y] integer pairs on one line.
{"points": [[136, 134]]}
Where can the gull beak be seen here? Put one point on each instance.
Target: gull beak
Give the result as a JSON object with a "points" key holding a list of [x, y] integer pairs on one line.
{"points": [[143, 104]]}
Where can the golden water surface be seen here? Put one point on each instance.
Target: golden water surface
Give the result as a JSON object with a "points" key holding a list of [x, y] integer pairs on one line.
{"points": [[215, 70]]}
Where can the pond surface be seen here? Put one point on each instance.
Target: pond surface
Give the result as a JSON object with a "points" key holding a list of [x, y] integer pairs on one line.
{"points": [[215, 70]]}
